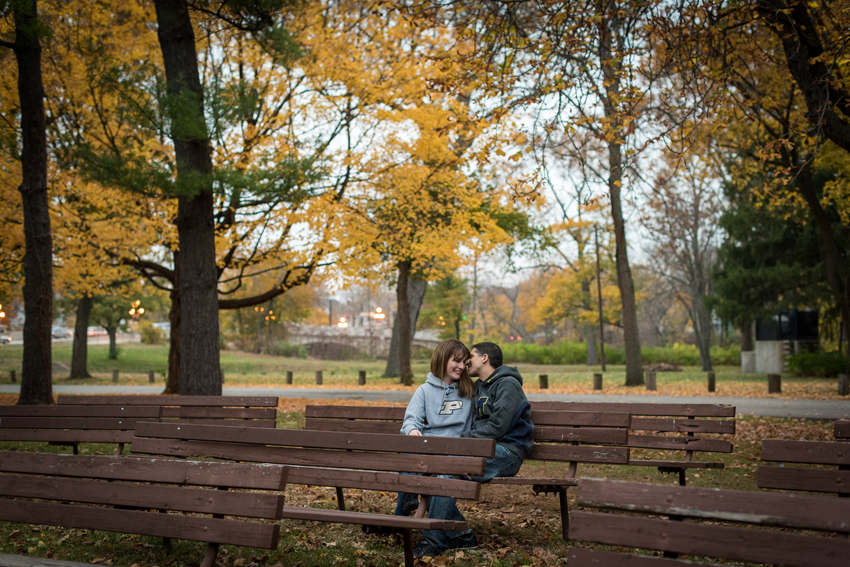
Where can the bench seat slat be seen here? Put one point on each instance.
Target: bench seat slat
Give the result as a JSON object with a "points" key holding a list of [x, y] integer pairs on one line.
{"points": [[145, 469], [677, 464], [584, 454], [324, 440], [370, 519], [66, 436], [94, 423], [683, 425], [579, 557], [214, 401], [742, 544], [78, 411], [251, 534], [814, 452], [680, 443], [810, 480], [791, 511], [385, 481], [432, 464], [249, 504], [640, 408]]}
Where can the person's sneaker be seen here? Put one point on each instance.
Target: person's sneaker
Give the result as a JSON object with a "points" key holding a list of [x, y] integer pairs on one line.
{"points": [[425, 549], [409, 503], [463, 541]]}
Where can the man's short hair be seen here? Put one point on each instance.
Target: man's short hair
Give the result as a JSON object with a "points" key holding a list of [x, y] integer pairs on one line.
{"points": [[493, 352]]}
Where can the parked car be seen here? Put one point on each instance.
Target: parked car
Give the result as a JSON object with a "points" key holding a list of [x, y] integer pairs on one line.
{"points": [[5, 339], [96, 331], [61, 333]]}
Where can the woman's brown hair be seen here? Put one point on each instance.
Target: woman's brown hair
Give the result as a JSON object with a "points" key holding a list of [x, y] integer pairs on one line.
{"points": [[445, 351]]}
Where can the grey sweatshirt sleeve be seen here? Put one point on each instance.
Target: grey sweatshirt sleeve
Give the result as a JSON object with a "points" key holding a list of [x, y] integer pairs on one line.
{"points": [[414, 415], [507, 397]]}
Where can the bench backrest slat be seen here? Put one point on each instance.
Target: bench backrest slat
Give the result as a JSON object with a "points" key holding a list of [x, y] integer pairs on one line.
{"points": [[79, 411], [353, 426], [254, 424], [206, 412], [602, 435], [355, 412], [809, 480], [580, 453], [842, 429], [322, 440], [146, 469], [683, 425], [211, 401], [812, 452], [680, 443], [112, 423], [66, 436], [641, 409], [385, 481]]}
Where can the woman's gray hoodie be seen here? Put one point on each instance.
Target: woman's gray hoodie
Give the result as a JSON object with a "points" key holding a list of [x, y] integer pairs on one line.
{"points": [[437, 410]]}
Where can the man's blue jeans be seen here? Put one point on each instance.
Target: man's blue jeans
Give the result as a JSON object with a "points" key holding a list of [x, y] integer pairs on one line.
{"points": [[505, 463]]}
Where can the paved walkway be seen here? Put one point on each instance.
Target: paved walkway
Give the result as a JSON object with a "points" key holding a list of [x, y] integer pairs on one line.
{"points": [[770, 407]]}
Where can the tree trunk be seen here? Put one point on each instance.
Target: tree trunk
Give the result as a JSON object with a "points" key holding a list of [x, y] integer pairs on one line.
{"points": [[590, 337], [172, 384], [702, 329], [405, 335], [747, 344], [199, 355], [37, 364], [415, 296], [80, 350], [113, 343]]}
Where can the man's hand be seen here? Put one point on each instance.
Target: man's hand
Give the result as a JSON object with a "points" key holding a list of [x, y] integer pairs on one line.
{"points": [[415, 432]]}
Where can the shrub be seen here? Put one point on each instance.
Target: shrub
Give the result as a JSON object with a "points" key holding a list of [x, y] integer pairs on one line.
{"points": [[283, 348], [576, 353], [820, 364], [150, 334]]}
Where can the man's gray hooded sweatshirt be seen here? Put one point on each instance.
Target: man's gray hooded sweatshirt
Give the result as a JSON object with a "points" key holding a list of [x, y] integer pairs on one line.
{"points": [[437, 410], [502, 411]]}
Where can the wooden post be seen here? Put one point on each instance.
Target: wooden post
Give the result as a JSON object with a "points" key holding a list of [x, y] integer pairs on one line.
{"points": [[318, 377], [843, 385], [774, 384], [651, 383], [544, 381], [711, 382], [115, 376], [597, 381], [150, 376], [289, 376], [12, 376], [361, 378]]}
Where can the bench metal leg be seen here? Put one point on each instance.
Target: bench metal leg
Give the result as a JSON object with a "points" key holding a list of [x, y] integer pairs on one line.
{"points": [[565, 513], [212, 553], [407, 536], [120, 449], [340, 498], [683, 480]]}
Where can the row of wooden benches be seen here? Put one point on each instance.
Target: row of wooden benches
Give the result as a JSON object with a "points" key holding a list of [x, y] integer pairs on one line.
{"points": [[373, 461]]}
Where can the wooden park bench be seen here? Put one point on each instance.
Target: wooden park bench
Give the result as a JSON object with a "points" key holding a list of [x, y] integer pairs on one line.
{"points": [[676, 428], [817, 478], [72, 425], [141, 495], [841, 430], [254, 411], [341, 460], [569, 438], [684, 520]]}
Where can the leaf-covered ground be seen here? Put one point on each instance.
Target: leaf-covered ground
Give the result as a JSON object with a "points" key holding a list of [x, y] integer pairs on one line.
{"points": [[515, 527]]}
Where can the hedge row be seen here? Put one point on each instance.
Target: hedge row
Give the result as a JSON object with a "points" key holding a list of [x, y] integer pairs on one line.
{"points": [[576, 353]]}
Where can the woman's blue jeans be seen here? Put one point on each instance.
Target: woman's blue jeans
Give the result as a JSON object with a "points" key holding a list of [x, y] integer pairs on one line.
{"points": [[505, 463]]}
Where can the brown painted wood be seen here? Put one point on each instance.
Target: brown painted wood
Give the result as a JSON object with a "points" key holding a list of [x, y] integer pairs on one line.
{"points": [[531, 480], [810, 480], [742, 544], [583, 454], [648, 409], [322, 439], [369, 519], [425, 464], [385, 481], [677, 464], [355, 412], [353, 426], [680, 443], [142, 469], [606, 436], [813, 452], [842, 429], [71, 423], [682, 425], [78, 411], [69, 436], [585, 418], [764, 508], [214, 401], [7, 560], [180, 498], [578, 557], [254, 423], [249, 534], [219, 413]]}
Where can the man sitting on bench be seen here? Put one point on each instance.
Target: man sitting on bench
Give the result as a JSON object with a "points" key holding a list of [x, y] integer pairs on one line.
{"points": [[501, 412]]}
